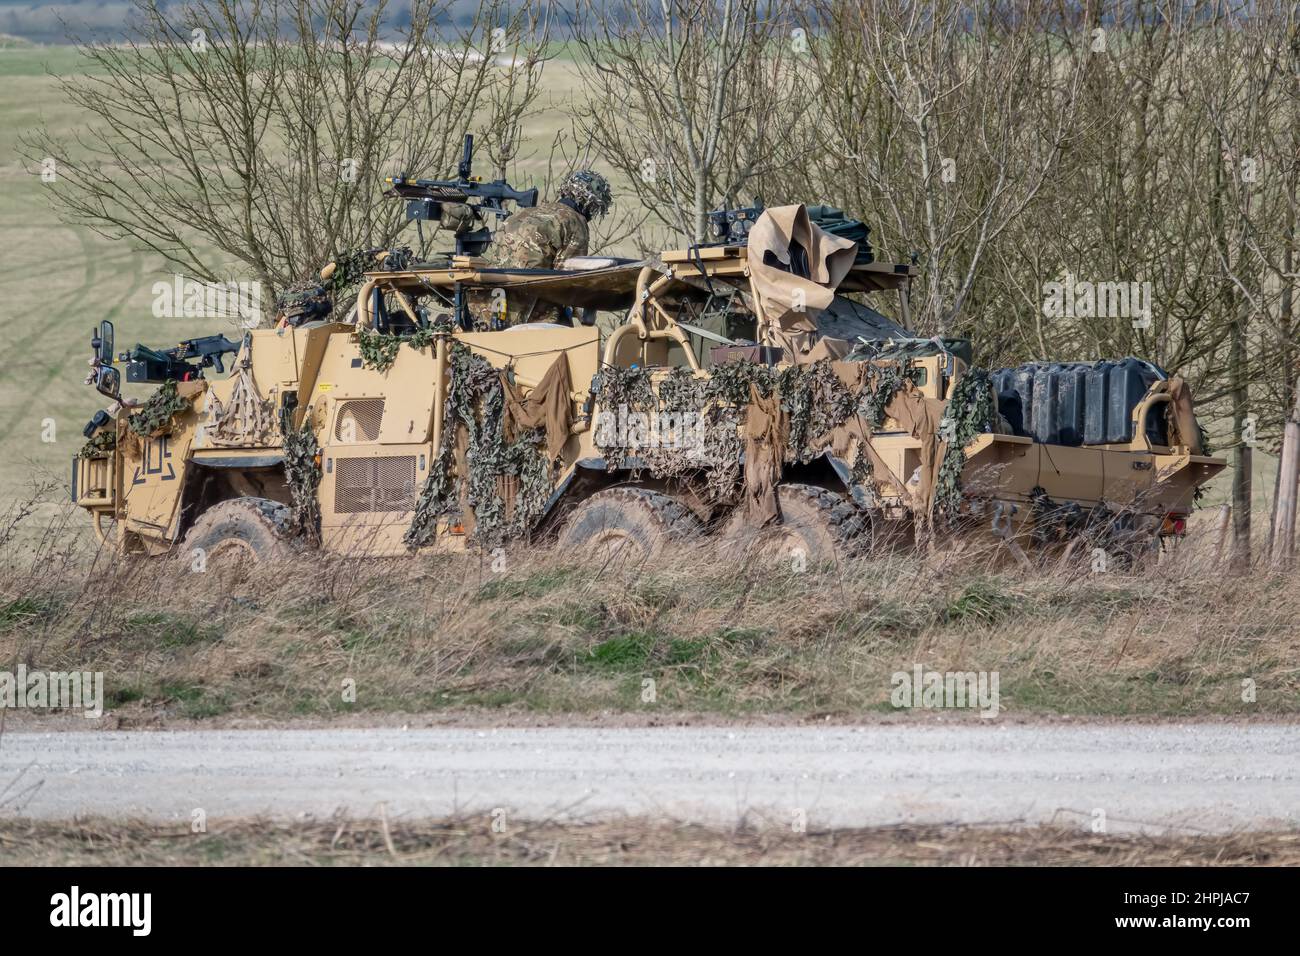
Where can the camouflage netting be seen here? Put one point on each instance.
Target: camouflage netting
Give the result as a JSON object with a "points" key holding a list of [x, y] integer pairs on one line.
{"points": [[379, 349], [305, 301], [816, 402], [101, 444], [872, 401], [813, 397], [349, 269], [503, 483], [156, 413], [302, 474], [971, 411]]}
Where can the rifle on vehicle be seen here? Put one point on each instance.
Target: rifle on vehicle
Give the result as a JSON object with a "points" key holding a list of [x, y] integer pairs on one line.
{"points": [[144, 364]]}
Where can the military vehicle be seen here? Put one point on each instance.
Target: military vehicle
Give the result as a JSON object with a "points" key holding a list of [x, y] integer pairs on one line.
{"points": [[743, 391]]}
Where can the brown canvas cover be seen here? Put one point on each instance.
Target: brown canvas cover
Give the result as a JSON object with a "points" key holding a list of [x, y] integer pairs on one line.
{"points": [[784, 299], [1180, 396], [549, 405], [766, 427]]}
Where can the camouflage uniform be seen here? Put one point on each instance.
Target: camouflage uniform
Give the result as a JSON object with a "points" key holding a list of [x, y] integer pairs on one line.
{"points": [[541, 237]]}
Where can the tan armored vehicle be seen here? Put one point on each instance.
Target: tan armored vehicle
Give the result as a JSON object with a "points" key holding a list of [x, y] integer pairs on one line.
{"points": [[741, 390]]}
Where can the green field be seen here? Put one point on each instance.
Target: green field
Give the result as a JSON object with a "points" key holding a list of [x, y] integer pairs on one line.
{"points": [[61, 279]]}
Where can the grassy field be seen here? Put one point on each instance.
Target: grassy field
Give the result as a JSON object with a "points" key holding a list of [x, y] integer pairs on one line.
{"points": [[471, 842], [59, 280], [700, 632]]}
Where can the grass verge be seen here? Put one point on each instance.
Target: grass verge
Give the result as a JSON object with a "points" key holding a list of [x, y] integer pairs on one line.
{"points": [[700, 631], [469, 841]]}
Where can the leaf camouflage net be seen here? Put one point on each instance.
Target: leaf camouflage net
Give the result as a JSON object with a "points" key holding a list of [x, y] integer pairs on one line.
{"points": [[817, 403], [101, 444], [302, 474], [158, 411], [815, 399], [476, 402], [379, 349], [888, 379], [971, 411]]}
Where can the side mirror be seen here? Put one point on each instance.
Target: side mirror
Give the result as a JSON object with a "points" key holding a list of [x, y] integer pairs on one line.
{"points": [[108, 381], [106, 342], [101, 341]]}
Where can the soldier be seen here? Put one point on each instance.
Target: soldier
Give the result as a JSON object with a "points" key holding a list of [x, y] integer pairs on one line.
{"points": [[542, 237]]}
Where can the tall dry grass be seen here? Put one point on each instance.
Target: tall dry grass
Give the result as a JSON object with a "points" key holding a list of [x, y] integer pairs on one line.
{"points": [[713, 633], [470, 841]]}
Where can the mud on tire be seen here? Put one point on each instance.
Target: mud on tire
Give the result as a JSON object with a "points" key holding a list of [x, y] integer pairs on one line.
{"points": [[633, 524], [823, 525], [240, 531]]}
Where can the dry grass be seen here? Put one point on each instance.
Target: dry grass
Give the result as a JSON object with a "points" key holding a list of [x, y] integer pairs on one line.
{"points": [[471, 841], [550, 635]]}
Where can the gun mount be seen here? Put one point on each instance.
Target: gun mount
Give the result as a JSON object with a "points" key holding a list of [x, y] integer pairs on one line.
{"points": [[428, 199]]}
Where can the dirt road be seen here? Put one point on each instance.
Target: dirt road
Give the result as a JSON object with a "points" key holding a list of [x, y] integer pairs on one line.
{"points": [[1158, 778]]}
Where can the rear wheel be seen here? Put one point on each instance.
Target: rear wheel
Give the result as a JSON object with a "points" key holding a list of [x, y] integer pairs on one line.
{"points": [[815, 523], [240, 532], [628, 524]]}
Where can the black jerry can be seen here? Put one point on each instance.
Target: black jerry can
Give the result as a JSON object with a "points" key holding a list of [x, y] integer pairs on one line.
{"points": [[1071, 403], [1096, 402], [1046, 428]]}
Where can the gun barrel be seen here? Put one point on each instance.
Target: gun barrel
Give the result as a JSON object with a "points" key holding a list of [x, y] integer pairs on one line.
{"points": [[466, 158]]}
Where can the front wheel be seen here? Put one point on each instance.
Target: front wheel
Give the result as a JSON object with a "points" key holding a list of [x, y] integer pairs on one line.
{"points": [[240, 532]]}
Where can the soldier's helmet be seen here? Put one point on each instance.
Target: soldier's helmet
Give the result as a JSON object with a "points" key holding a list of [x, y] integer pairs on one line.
{"points": [[589, 192]]}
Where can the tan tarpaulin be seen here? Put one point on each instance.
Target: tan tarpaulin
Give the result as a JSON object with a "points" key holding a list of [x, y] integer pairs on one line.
{"points": [[1180, 397], [766, 426], [784, 299], [920, 416], [549, 405]]}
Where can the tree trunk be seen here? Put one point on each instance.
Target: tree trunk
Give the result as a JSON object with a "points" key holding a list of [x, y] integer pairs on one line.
{"points": [[1241, 452], [1288, 474]]}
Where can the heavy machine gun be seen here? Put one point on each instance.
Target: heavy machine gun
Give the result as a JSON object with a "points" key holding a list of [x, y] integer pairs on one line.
{"points": [[446, 200]]}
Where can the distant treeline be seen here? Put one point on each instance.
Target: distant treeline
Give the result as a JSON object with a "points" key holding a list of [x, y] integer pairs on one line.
{"points": [[69, 20]]}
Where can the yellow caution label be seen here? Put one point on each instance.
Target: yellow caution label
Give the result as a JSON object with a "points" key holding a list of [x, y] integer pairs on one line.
{"points": [[324, 386]]}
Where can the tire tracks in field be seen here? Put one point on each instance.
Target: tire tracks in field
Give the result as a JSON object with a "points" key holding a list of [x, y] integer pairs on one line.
{"points": [[71, 300]]}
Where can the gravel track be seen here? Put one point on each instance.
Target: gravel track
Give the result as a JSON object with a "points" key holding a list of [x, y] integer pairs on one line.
{"points": [[1157, 778]]}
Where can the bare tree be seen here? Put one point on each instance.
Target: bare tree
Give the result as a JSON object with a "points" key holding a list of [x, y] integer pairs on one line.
{"points": [[944, 122], [689, 99], [252, 136]]}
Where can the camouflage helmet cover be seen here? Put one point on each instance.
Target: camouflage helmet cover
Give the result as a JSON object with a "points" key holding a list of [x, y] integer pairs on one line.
{"points": [[589, 192]]}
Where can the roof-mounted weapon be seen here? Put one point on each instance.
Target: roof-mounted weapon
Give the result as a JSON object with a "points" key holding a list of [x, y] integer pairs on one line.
{"points": [[427, 199]]}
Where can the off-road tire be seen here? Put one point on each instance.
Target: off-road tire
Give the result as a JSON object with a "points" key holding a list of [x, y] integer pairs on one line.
{"points": [[628, 524], [820, 524], [241, 531]]}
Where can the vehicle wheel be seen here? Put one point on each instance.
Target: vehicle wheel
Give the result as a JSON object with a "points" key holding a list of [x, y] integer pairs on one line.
{"points": [[822, 525], [242, 531], [628, 524]]}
